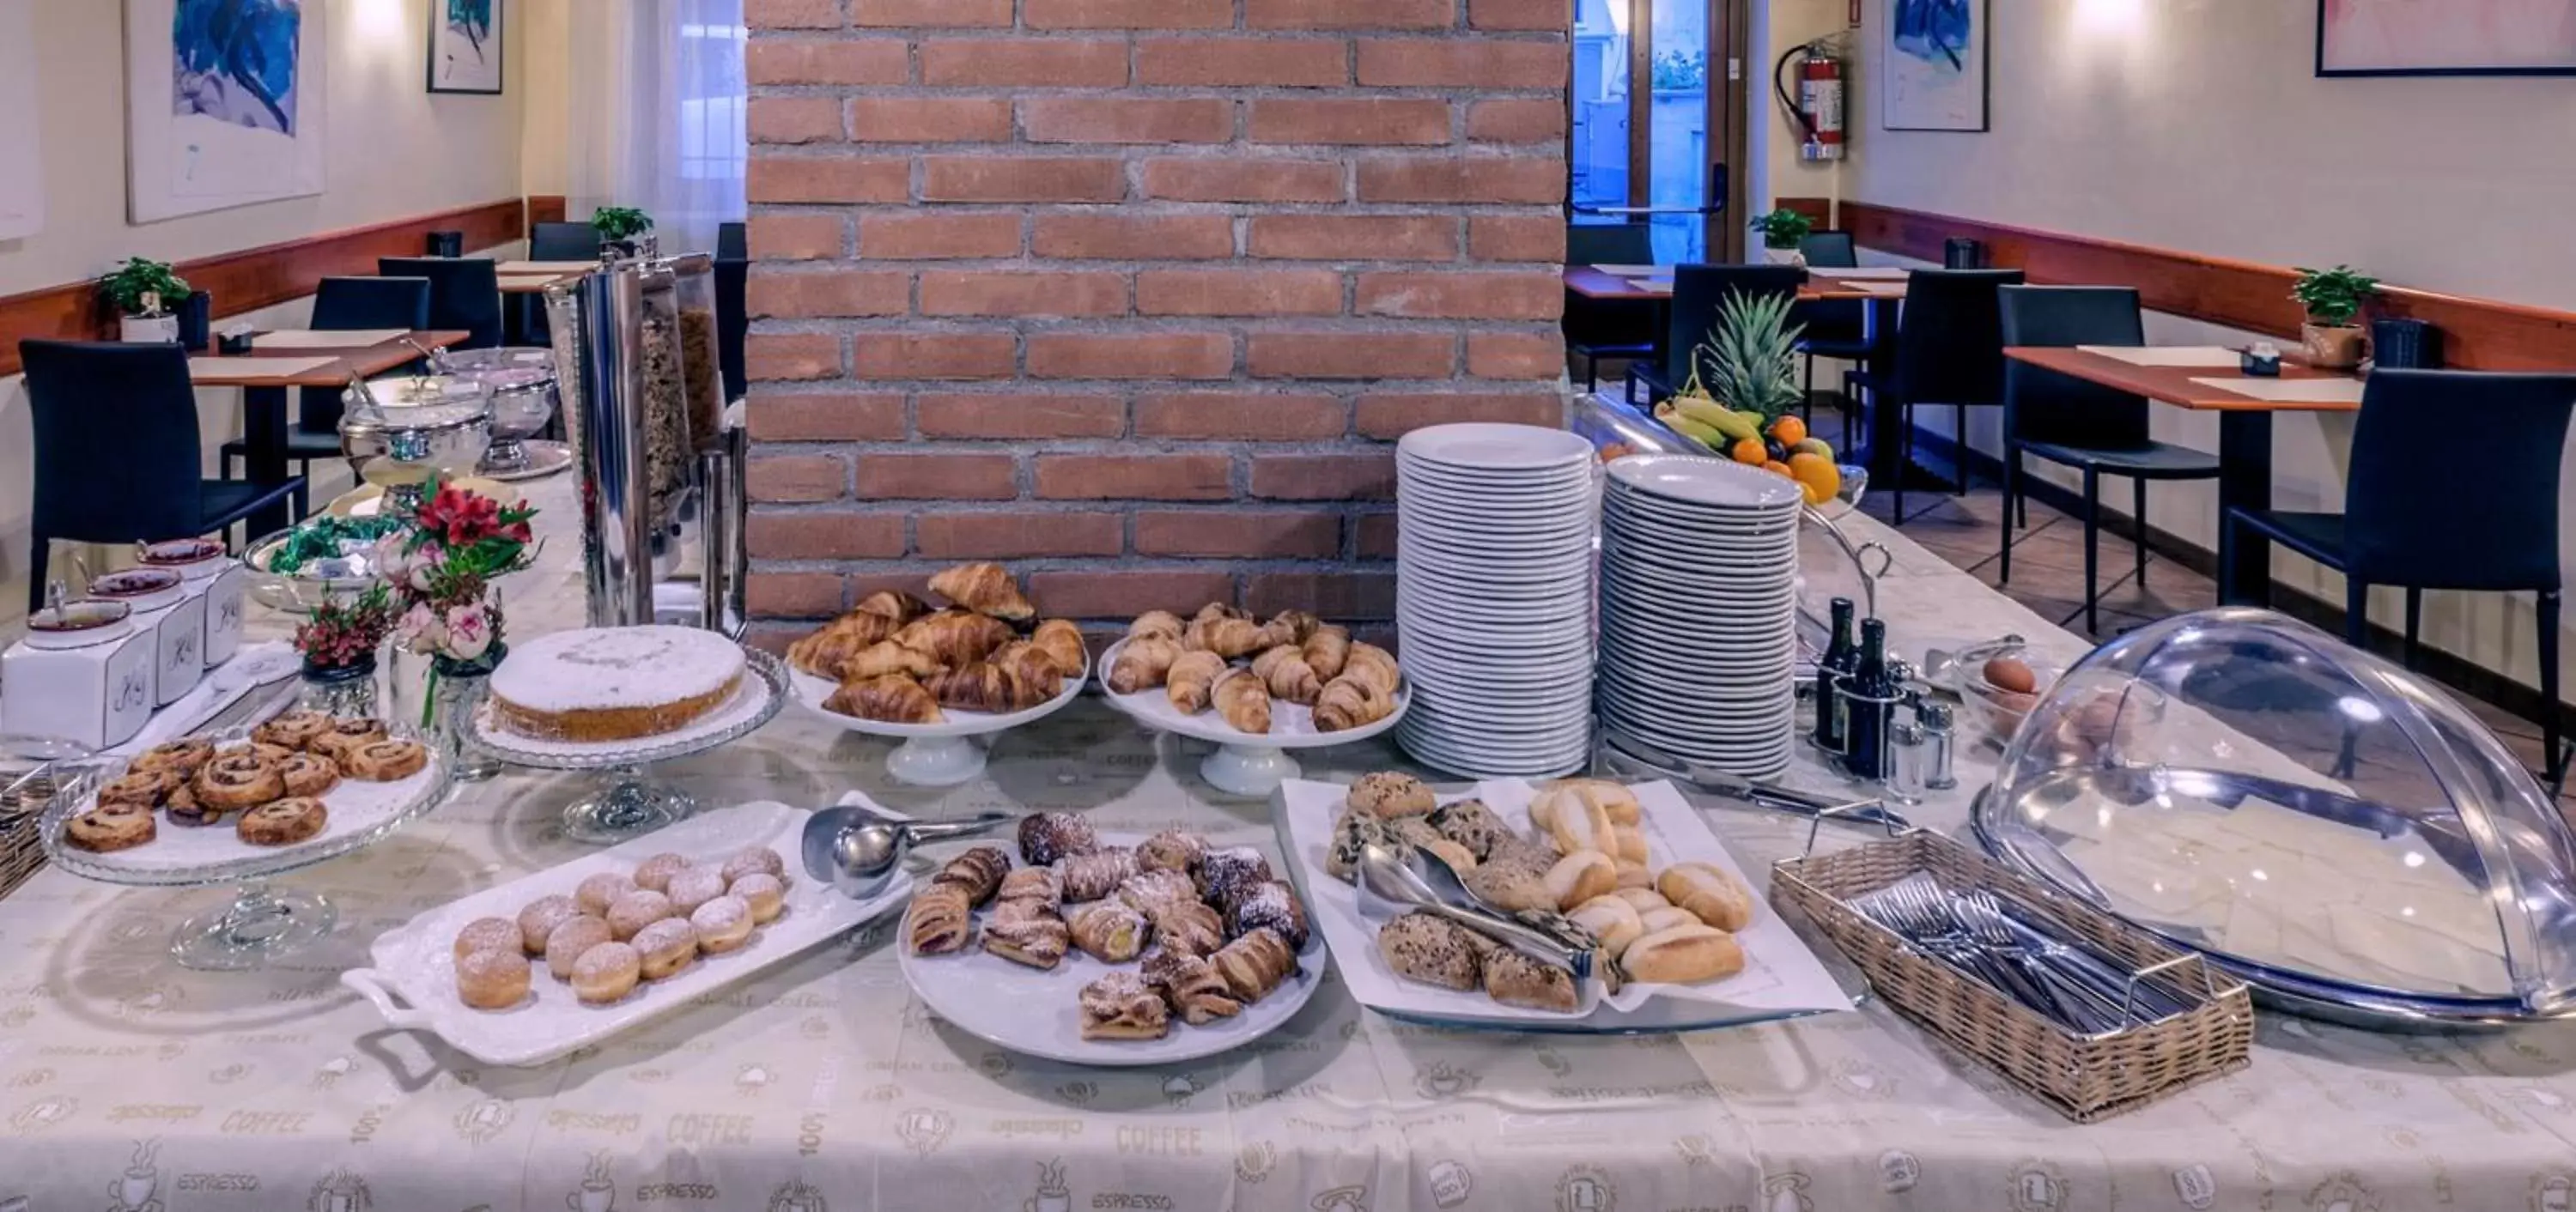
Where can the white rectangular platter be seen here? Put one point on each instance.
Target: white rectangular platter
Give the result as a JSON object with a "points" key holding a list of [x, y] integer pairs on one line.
{"points": [[413, 982]]}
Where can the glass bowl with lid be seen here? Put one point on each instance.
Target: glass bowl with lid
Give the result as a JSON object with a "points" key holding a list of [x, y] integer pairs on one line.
{"points": [[2335, 830], [523, 397], [410, 428]]}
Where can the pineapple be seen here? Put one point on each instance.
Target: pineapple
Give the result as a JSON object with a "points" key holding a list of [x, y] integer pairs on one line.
{"points": [[1751, 356]]}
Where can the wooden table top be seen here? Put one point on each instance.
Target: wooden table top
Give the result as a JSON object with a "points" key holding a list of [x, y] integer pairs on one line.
{"points": [[1822, 286], [206, 370], [2174, 384], [532, 283]]}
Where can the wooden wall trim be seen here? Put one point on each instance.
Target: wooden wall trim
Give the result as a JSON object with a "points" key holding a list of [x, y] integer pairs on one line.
{"points": [[2477, 334], [544, 208], [254, 278]]}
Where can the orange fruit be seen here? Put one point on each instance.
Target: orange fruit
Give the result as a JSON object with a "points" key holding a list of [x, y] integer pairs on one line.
{"points": [[1778, 468], [1822, 479], [1789, 430], [1751, 450]]}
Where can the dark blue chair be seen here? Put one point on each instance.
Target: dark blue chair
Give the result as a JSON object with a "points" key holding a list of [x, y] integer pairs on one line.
{"points": [[1698, 292], [339, 305], [464, 294], [117, 458], [733, 242], [733, 321], [563, 242], [1608, 328], [1949, 350], [2403, 527], [2080, 424], [1836, 328]]}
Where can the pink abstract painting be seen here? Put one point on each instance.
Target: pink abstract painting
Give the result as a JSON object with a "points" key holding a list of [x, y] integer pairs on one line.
{"points": [[2407, 37]]}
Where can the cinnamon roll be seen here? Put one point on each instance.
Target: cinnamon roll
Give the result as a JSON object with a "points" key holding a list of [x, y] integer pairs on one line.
{"points": [[179, 757], [293, 730], [309, 775], [237, 780]]}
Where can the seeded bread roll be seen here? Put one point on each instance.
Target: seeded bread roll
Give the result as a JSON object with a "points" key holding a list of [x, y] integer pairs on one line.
{"points": [[1388, 794], [1683, 955], [1515, 979], [1513, 877], [1420, 947], [1471, 824]]}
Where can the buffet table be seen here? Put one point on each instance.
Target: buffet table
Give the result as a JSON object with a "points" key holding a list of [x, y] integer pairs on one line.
{"points": [[129, 1083]]}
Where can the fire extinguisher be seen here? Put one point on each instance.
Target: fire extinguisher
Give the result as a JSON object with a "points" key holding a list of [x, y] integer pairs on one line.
{"points": [[1817, 106]]}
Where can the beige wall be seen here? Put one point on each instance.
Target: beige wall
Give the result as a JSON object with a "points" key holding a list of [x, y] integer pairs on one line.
{"points": [[1778, 26], [2199, 125]]}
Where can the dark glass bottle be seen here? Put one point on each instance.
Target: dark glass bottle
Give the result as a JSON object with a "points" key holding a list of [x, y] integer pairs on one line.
{"points": [[1842, 655], [1869, 698]]}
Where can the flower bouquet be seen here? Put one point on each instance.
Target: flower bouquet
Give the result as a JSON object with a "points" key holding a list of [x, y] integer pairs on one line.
{"points": [[338, 644], [442, 570]]}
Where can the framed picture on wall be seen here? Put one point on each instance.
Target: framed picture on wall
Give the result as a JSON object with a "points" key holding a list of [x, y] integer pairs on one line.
{"points": [[2453, 38], [22, 168], [223, 103], [465, 38], [1934, 57]]}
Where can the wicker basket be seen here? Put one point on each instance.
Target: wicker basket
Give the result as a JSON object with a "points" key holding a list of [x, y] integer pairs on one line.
{"points": [[22, 806], [2086, 1078]]}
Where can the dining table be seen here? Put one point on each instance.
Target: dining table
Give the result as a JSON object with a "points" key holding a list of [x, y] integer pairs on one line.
{"points": [[823, 1084], [2213, 379], [314, 361]]}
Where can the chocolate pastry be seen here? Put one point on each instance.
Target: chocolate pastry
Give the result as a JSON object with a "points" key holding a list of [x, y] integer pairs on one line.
{"points": [[1048, 836], [978, 872], [1271, 906], [1172, 850], [1224, 873]]}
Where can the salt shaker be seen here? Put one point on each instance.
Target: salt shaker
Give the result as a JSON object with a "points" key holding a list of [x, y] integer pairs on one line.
{"points": [[1905, 768], [1940, 743]]}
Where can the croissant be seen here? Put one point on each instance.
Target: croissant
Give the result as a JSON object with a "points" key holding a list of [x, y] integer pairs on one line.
{"points": [[1373, 665], [954, 638], [984, 589], [1192, 681], [1327, 648], [1143, 663], [1157, 622], [1348, 703], [1062, 643], [1033, 673], [1243, 701], [894, 604], [1300, 624], [1288, 675], [892, 699], [1231, 638], [1218, 610], [884, 657], [982, 686], [821, 653]]}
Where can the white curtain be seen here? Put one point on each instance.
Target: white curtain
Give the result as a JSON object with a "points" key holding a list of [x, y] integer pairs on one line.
{"points": [[655, 106]]}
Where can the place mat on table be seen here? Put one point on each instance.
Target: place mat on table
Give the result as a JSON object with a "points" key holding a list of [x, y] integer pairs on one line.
{"points": [[1637, 271], [1875, 273], [2291, 391], [253, 368], [305, 338], [546, 267], [2168, 355]]}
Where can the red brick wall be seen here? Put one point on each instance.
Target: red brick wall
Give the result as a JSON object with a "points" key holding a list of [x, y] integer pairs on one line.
{"points": [[1134, 294]]}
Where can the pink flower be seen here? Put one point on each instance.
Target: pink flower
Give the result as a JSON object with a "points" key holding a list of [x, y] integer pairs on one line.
{"points": [[420, 629], [469, 631]]}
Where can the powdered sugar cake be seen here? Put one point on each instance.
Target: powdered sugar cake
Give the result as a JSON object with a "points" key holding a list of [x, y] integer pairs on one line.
{"points": [[614, 683]]}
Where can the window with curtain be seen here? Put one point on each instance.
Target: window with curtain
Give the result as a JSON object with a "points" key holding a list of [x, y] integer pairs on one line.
{"points": [[656, 108]]}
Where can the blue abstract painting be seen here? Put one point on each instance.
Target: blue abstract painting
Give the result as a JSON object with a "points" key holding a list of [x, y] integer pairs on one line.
{"points": [[1935, 31], [465, 46], [236, 61], [1935, 64]]}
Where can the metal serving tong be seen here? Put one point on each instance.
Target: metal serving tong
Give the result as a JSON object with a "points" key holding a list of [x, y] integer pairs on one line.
{"points": [[857, 849], [1394, 881], [1640, 756]]}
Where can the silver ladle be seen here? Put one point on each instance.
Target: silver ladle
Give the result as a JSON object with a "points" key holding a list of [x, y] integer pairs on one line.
{"points": [[857, 850], [1389, 887]]}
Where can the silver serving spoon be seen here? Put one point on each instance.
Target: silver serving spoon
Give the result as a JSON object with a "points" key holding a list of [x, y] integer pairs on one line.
{"points": [[1390, 887], [857, 850]]}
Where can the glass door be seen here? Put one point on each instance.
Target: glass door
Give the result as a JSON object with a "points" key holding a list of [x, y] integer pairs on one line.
{"points": [[1658, 154]]}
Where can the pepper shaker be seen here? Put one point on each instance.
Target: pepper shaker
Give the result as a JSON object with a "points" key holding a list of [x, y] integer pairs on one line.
{"points": [[1906, 757], [1940, 744]]}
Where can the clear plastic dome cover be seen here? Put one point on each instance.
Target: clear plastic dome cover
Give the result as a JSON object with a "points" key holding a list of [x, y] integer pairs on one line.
{"points": [[2327, 824]]}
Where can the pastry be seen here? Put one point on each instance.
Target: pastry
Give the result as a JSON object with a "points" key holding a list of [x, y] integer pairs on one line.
{"points": [[1191, 927], [1513, 877], [1039, 886], [1110, 931], [293, 730], [1515, 979], [183, 809], [1580, 876], [234, 781], [764, 892], [571, 940], [1254, 964], [664, 948], [386, 761], [1579, 824], [1225, 873], [1354, 831], [1290, 678], [1683, 955], [1151, 890], [1119, 1006], [1373, 665], [822, 653], [955, 638], [1048, 836], [984, 589], [600, 891], [1471, 824], [1642, 899], [1219, 610], [1710, 893], [614, 683], [1388, 794], [308, 774], [1346, 703], [1613, 798], [1142, 663], [1038, 941], [940, 920], [606, 973], [892, 699], [1326, 649], [492, 980], [488, 934], [883, 658], [140, 788], [1191, 681], [1157, 622], [1189, 985], [1613, 922], [1089, 877], [1417, 832], [994, 689], [631, 913], [109, 828], [978, 873], [274, 755], [723, 924], [752, 859], [1631, 844], [283, 822], [540, 918], [654, 875], [345, 735], [1272, 906], [1243, 701], [694, 887], [1296, 624], [1666, 917], [1171, 850], [181, 757], [1430, 950], [1231, 638], [1035, 678], [1062, 643], [894, 604]]}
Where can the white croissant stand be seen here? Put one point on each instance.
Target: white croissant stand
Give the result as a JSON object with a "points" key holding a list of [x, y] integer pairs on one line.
{"points": [[1248, 764], [932, 755]]}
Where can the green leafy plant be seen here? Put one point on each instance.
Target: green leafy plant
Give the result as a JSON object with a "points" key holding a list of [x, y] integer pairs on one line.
{"points": [[1783, 228], [1680, 72], [2333, 296], [143, 288], [620, 222], [1751, 356]]}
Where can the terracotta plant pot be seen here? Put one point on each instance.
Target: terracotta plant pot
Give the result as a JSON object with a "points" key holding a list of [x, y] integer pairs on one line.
{"points": [[2331, 347]]}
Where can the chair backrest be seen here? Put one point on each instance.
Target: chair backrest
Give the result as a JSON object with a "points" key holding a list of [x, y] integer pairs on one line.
{"points": [[117, 457], [343, 304], [1609, 244], [733, 321], [563, 242], [1829, 250], [2487, 517], [2041, 405], [1949, 344], [733, 242], [1700, 290], [464, 293]]}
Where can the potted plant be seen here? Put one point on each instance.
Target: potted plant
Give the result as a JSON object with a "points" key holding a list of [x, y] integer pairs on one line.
{"points": [[1783, 231], [2333, 299], [147, 296], [620, 225]]}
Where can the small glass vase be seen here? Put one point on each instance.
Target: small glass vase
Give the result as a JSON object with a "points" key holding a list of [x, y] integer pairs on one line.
{"points": [[342, 690], [456, 690]]}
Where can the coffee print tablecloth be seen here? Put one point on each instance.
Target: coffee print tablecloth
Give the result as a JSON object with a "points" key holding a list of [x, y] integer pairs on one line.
{"points": [[131, 1085]]}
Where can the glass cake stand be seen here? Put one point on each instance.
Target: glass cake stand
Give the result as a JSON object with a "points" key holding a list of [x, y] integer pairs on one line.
{"points": [[627, 803], [262, 923]]}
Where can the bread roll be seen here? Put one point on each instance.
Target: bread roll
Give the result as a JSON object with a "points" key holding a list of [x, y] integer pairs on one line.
{"points": [[1711, 894], [1613, 798], [1574, 824], [1667, 918], [1637, 875], [1642, 898], [1611, 920], [1631, 846], [1682, 955], [1580, 876]]}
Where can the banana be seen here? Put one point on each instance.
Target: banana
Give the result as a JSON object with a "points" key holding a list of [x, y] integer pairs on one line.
{"points": [[1705, 411], [1688, 428], [1738, 426]]}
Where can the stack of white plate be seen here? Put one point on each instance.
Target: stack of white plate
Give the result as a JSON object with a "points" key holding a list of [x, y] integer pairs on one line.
{"points": [[1699, 569], [1493, 597]]}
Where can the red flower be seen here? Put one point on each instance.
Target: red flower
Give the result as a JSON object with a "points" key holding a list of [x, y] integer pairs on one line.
{"points": [[461, 518]]}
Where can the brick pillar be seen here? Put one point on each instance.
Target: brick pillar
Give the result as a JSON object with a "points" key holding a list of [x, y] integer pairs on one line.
{"points": [[1135, 294]]}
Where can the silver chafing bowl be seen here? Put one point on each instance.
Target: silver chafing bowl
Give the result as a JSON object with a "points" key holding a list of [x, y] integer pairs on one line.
{"points": [[524, 398], [405, 430]]}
